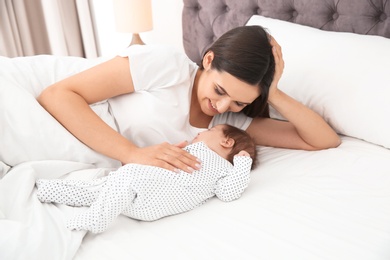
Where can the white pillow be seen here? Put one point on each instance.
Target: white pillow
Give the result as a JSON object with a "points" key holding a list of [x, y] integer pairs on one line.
{"points": [[345, 77]]}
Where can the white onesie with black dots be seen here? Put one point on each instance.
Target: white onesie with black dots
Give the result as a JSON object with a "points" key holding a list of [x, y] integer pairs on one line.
{"points": [[148, 193]]}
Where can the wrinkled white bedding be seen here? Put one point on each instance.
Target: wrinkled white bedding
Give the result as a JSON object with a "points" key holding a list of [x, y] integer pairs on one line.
{"points": [[27, 131], [30, 142], [331, 204], [30, 229]]}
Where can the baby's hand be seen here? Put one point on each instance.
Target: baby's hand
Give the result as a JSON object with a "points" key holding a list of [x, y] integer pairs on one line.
{"points": [[243, 153]]}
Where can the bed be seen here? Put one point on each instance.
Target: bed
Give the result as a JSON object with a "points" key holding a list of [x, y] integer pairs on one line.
{"points": [[328, 204]]}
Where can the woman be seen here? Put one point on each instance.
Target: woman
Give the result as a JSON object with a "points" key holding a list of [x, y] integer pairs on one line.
{"points": [[157, 94]]}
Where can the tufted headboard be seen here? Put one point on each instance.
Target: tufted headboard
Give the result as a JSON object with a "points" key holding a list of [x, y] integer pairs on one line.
{"points": [[205, 20]]}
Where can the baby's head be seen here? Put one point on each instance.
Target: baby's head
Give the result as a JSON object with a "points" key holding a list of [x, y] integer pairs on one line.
{"points": [[227, 141]]}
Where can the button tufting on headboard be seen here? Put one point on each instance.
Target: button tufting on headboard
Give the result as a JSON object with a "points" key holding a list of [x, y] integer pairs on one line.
{"points": [[382, 17], [205, 20], [294, 13]]}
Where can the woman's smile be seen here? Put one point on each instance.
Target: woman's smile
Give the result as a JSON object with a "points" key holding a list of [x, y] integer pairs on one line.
{"points": [[213, 107]]}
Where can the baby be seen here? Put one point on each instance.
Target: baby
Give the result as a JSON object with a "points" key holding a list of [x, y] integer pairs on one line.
{"points": [[148, 193]]}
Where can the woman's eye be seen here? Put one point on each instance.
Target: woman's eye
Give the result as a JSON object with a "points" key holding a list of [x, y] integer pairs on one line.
{"points": [[219, 92], [240, 104]]}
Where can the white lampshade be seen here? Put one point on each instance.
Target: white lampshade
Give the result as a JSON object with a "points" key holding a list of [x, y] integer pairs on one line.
{"points": [[133, 16]]}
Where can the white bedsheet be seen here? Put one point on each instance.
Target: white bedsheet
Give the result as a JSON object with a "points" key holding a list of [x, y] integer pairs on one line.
{"points": [[331, 204]]}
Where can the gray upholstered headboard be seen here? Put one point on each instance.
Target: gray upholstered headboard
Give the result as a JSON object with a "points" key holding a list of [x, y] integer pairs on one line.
{"points": [[205, 20]]}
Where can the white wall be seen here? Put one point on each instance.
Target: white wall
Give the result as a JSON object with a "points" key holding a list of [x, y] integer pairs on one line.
{"points": [[167, 26]]}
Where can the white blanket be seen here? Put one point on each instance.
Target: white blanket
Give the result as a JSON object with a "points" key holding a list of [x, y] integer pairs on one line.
{"points": [[30, 229], [28, 135], [27, 131]]}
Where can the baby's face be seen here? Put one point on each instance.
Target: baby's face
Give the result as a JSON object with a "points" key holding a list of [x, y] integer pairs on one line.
{"points": [[212, 137]]}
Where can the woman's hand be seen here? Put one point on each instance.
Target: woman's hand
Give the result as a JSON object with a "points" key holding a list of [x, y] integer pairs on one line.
{"points": [[165, 155], [279, 66]]}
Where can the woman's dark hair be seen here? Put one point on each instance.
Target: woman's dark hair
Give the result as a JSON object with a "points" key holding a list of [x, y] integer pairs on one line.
{"points": [[246, 53], [242, 141]]}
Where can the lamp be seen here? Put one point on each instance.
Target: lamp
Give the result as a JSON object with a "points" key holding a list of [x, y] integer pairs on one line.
{"points": [[133, 16]]}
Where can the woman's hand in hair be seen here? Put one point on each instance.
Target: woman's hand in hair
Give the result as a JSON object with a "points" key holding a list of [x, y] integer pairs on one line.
{"points": [[279, 66]]}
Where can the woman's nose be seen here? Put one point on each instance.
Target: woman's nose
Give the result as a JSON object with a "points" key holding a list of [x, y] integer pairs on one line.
{"points": [[223, 105]]}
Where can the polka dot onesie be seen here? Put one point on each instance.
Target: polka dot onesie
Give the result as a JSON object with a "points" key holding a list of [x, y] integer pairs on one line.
{"points": [[146, 192]]}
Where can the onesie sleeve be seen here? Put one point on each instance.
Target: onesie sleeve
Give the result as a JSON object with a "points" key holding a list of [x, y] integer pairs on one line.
{"points": [[231, 186]]}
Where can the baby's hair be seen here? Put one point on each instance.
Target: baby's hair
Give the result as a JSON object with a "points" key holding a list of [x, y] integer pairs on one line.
{"points": [[242, 141]]}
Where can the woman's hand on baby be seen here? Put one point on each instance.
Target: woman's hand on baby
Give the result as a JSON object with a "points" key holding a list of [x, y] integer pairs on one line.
{"points": [[168, 156], [279, 65], [243, 153]]}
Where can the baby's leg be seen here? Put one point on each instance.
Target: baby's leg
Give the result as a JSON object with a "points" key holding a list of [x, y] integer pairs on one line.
{"points": [[69, 192], [114, 197]]}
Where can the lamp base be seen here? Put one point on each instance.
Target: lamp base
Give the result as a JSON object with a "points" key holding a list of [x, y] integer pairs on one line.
{"points": [[136, 40]]}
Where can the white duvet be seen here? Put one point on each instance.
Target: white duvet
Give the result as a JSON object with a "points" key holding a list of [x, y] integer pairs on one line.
{"points": [[27, 131]]}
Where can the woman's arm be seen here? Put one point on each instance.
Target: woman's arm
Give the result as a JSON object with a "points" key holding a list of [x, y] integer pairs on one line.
{"points": [[68, 101], [305, 129]]}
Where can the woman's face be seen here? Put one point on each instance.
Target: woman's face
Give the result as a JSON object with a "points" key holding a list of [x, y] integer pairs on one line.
{"points": [[219, 92]]}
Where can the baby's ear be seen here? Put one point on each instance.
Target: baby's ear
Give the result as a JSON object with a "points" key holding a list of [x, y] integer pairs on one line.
{"points": [[228, 143]]}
